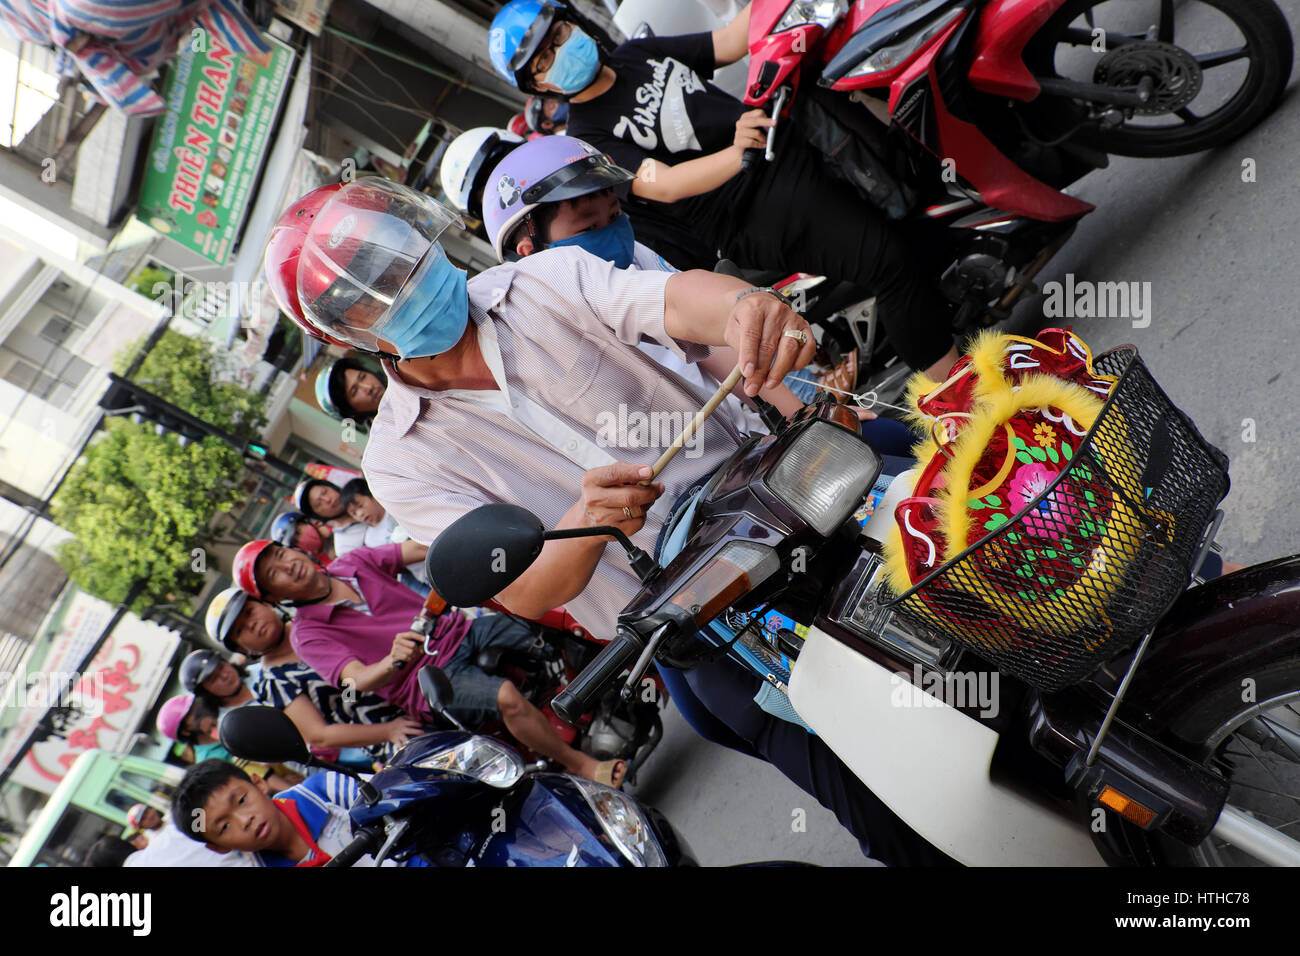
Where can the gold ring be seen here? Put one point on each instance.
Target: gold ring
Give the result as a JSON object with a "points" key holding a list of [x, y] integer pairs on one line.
{"points": [[627, 512], [798, 334]]}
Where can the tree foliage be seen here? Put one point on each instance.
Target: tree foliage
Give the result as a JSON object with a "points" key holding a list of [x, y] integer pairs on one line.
{"points": [[184, 370], [138, 503]]}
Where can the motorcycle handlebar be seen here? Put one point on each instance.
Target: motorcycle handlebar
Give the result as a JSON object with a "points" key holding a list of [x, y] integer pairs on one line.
{"points": [[582, 692], [364, 842], [752, 155]]}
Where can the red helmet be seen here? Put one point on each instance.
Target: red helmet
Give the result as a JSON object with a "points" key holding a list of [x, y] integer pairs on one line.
{"points": [[357, 253], [283, 248], [245, 559]]}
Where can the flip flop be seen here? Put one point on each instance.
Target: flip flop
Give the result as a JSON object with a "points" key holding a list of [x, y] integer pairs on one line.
{"points": [[605, 773]]}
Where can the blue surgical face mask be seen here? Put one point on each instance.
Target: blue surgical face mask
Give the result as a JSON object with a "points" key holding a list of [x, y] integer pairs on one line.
{"points": [[615, 243], [577, 62], [435, 313]]}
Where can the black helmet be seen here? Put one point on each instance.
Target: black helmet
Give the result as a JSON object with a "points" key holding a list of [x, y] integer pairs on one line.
{"points": [[197, 667]]}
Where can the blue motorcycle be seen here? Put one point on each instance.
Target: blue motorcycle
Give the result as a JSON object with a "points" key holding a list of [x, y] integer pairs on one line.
{"points": [[454, 798]]}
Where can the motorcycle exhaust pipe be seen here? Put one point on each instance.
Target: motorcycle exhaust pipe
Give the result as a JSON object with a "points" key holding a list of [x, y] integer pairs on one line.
{"points": [[1260, 840]]}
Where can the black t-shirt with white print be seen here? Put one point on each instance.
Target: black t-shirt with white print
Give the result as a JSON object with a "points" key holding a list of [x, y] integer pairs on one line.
{"points": [[662, 107]]}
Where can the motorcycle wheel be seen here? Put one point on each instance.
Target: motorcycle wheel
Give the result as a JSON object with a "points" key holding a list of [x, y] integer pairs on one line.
{"points": [[1255, 744], [1253, 34]]}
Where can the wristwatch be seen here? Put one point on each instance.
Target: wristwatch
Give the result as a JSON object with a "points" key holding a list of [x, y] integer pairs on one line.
{"points": [[752, 289]]}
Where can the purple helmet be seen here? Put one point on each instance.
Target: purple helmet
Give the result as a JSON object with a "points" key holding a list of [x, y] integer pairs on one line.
{"points": [[550, 169]]}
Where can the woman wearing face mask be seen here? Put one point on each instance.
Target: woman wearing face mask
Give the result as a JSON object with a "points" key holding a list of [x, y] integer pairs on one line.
{"points": [[648, 104]]}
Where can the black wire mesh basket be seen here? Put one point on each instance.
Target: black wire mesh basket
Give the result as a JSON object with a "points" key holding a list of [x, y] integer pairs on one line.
{"points": [[1096, 559]]}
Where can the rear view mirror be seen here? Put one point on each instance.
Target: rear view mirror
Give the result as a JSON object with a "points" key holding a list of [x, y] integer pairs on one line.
{"points": [[436, 688], [262, 734], [484, 552]]}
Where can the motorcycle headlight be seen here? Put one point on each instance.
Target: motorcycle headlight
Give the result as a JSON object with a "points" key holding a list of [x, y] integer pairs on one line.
{"points": [[888, 57], [482, 758], [623, 822], [823, 475], [824, 13]]}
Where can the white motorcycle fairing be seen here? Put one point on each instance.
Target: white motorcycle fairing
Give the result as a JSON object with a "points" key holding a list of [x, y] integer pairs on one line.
{"points": [[929, 764]]}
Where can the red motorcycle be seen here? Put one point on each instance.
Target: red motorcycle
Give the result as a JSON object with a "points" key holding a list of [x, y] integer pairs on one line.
{"points": [[979, 113]]}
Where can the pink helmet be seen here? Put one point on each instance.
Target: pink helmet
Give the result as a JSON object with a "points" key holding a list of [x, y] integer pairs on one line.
{"points": [[172, 714], [550, 169]]}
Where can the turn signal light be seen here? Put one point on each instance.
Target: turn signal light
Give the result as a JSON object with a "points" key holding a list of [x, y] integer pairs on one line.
{"points": [[1130, 810]]}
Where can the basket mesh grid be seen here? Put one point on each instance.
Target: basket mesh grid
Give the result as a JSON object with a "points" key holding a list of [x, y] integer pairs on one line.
{"points": [[1094, 560]]}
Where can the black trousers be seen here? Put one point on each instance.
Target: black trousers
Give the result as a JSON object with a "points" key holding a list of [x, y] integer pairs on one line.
{"points": [[796, 216], [728, 690]]}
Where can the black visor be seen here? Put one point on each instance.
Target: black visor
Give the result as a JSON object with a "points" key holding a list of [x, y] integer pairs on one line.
{"points": [[588, 175]]}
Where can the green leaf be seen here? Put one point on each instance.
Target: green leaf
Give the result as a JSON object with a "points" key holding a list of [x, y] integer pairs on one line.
{"points": [[996, 521], [1024, 458], [975, 504], [1051, 553], [1053, 456], [1038, 453], [1018, 442], [1067, 451], [993, 500]]}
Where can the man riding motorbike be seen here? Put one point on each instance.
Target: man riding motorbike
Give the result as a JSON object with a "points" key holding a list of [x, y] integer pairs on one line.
{"points": [[349, 728], [648, 105], [352, 625], [509, 408]]}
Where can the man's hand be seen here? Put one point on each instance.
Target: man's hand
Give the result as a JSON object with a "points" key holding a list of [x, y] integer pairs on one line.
{"points": [[608, 490], [751, 130], [756, 330], [407, 648]]}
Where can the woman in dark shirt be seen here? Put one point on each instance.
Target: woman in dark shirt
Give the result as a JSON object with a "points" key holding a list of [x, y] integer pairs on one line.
{"points": [[648, 105]]}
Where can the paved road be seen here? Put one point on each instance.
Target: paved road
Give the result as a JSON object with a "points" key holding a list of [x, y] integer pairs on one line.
{"points": [[1223, 260]]}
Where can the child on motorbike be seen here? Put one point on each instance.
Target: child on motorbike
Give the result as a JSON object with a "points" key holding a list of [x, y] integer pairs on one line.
{"points": [[219, 805], [353, 627], [354, 728], [648, 105], [573, 202]]}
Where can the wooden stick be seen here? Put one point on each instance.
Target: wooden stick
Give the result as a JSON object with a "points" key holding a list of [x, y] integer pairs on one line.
{"points": [[723, 391]]}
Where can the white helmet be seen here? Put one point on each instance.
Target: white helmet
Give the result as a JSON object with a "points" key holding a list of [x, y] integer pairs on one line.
{"points": [[468, 160]]}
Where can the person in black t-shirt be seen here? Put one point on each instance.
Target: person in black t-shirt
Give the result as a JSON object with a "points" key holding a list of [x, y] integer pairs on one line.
{"points": [[649, 105]]}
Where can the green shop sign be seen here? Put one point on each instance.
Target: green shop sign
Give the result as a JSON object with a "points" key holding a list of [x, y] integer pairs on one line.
{"points": [[209, 144]]}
